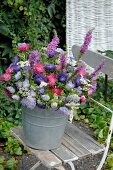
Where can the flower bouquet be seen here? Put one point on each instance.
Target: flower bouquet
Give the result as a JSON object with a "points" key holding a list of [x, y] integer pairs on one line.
{"points": [[48, 79]]}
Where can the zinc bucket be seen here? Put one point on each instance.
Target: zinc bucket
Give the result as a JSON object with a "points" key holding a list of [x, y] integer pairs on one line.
{"points": [[43, 128]]}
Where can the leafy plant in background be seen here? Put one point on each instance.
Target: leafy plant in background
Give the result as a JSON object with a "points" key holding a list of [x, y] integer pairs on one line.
{"points": [[29, 21], [8, 164]]}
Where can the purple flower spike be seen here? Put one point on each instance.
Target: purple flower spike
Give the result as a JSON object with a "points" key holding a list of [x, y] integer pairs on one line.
{"points": [[52, 46], [63, 61], [64, 111], [77, 81], [34, 56], [87, 41], [50, 67], [62, 77], [16, 59]]}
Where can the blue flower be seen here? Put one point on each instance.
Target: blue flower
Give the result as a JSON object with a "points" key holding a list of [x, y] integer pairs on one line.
{"points": [[16, 68], [29, 102], [41, 90], [70, 85], [64, 110], [49, 67], [41, 106], [77, 81], [39, 78], [62, 77], [52, 54], [16, 59]]}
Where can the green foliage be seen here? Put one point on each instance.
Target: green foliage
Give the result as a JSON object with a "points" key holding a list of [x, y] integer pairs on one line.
{"points": [[8, 164], [29, 21]]}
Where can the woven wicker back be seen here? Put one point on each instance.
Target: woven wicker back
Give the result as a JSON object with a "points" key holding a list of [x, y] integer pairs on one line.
{"points": [[82, 15]]}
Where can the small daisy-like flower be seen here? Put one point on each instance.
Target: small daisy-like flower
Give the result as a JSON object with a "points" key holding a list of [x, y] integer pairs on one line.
{"points": [[18, 75], [54, 105], [11, 89], [15, 97], [45, 97]]}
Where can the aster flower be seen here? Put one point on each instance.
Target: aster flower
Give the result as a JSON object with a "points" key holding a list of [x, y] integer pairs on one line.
{"points": [[15, 97], [18, 75], [52, 47], [77, 81], [45, 97], [29, 102], [54, 105], [39, 78], [70, 85], [10, 89], [16, 59], [38, 68], [49, 67], [16, 68], [62, 77], [41, 90], [26, 83], [23, 46], [64, 111]]}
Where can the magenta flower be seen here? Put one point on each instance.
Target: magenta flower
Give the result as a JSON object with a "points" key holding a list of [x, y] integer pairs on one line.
{"points": [[23, 47]]}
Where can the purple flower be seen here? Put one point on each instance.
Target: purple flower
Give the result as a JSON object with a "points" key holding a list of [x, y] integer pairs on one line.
{"points": [[16, 68], [70, 67], [49, 67], [16, 59], [63, 61], [29, 102], [62, 77], [41, 106], [26, 83], [27, 68], [63, 110], [52, 47], [70, 85], [33, 57], [87, 41], [96, 71], [41, 90], [77, 81], [39, 78]]}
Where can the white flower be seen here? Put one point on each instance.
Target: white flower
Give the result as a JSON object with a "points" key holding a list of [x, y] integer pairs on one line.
{"points": [[16, 97], [18, 75], [19, 84], [45, 97], [10, 89], [23, 63], [54, 105], [72, 62], [83, 81], [32, 93], [43, 84]]}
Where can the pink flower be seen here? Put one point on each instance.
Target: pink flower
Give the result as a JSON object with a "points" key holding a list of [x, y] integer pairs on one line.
{"points": [[90, 91], [56, 90], [82, 71], [52, 82], [51, 75], [9, 70], [38, 68], [58, 67], [6, 77], [23, 47], [83, 99]]}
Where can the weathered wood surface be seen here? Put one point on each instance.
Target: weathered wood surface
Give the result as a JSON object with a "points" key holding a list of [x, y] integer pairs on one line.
{"points": [[93, 59], [75, 145], [83, 139], [46, 157]]}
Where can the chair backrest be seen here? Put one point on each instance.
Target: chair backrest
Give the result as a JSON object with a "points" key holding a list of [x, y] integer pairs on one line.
{"points": [[93, 59]]}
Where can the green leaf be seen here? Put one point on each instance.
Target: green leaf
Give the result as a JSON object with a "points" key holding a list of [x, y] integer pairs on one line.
{"points": [[1, 167], [2, 159], [10, 164], [100, 135], [18, 151]]}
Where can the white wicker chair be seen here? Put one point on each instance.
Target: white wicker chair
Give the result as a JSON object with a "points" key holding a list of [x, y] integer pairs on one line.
{"points": [[82, 15]]}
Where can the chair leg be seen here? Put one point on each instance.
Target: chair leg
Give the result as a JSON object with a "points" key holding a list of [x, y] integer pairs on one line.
{"points": [[36, 165]]}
